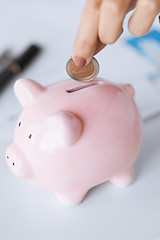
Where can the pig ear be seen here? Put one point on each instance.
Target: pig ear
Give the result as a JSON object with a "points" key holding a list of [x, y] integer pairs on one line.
{"points": [[129, 89], [27, 90], [66, 127]]}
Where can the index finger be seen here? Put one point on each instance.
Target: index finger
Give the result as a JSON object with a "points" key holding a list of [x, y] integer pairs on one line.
{"points": [[86, 39]]}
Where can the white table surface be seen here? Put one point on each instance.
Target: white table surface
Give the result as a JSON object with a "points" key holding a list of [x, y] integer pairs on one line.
{"points": [[30, 212]]}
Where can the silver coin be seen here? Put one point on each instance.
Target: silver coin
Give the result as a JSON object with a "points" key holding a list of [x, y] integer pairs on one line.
{"points": [[83, 74]]}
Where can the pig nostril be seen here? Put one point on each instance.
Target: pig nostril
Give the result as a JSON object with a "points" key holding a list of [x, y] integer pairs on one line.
{"points": [[19, 124], [30, 135], [12, 162]]}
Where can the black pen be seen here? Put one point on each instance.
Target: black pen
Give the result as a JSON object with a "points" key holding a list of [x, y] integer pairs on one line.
{"points": [[18, 65]]}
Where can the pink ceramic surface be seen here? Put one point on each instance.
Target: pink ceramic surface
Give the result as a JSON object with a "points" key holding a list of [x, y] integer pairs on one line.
{"points": [[72, 136]]}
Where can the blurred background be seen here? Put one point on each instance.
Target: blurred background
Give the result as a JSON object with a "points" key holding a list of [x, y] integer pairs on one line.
{"points": [[29, 212]]}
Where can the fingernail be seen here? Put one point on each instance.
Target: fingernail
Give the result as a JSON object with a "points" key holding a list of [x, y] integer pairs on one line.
{"points": [[79, 61]]}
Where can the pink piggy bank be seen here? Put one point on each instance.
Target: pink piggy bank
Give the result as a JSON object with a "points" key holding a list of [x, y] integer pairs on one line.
{"points": [[72, 136]]}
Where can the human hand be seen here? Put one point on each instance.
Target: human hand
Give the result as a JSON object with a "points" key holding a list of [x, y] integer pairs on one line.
{"points": [[102, 21]]}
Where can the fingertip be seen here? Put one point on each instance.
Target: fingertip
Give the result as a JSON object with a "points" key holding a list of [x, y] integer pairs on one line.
{"points": [[136, 31], [110, 37], [79, 61], [143, 17]]}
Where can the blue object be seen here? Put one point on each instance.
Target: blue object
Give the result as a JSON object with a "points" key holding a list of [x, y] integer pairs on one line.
{"points": [[138, 44]]}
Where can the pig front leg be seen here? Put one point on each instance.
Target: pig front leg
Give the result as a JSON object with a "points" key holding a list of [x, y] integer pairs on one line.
{"points": [[124, 179], [70, 199]]}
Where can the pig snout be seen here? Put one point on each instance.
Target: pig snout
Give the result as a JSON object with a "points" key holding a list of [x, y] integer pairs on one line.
{"points": [[17, 162]]}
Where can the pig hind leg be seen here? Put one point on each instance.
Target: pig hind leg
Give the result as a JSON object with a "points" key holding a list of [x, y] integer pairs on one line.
{"points": [[70, 199], [124, 179]]}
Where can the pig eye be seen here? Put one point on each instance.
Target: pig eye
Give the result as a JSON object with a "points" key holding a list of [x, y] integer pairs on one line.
{"points": [[30, 135], [19, 124]]}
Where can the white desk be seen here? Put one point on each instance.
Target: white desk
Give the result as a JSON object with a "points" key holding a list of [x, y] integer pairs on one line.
{"points": [[30, 212]]}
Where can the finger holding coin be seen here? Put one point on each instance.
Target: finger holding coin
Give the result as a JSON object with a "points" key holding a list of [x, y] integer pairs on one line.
{"points": [[83, 74]]}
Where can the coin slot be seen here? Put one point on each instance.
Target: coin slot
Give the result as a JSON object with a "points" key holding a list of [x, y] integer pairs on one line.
{"points": [[91, 84]]}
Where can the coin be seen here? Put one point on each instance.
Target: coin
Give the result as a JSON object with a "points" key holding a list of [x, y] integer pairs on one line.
{"points": [[83, 74]]}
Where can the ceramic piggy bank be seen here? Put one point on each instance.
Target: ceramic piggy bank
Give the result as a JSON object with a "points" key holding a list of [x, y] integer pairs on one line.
{"points": [[72, 136]]}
